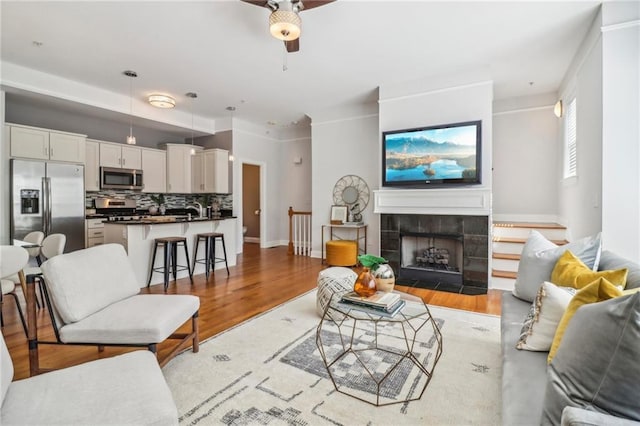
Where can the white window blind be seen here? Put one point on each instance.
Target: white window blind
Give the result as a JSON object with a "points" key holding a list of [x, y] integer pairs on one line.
{"points": [[570, 141]]}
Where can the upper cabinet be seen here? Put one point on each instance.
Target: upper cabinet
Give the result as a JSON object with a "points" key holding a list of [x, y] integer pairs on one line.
{"points": [[210, 172], [154, 170], [92, 166], [43, 144], [120, 156], [179, 167]]}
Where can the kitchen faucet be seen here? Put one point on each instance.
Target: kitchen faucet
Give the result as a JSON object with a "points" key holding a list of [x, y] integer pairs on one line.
{"points": [[196, 205]]}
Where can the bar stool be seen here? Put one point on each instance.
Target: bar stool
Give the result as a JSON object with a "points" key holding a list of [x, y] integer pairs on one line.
{"points": [[210, 258], [170, 263]]}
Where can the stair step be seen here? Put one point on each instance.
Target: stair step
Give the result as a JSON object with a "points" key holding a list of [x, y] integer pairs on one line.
{"points": [[505, 284], [524, 240], [503, 274], [506, 256], [529, 225]]}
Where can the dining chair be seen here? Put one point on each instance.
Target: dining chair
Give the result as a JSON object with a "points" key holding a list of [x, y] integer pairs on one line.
{"points": [[35, 237], [12, 260], [52, 246]]}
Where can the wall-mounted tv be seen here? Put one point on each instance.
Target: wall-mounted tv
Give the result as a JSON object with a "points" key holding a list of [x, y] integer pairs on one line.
{"points": [[432, 156]]}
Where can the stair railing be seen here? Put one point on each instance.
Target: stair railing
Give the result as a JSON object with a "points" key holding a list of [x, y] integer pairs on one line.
{"points": [[299, 233]]}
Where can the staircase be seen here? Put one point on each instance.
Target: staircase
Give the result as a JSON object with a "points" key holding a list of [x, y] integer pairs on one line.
{"points": [[508, 239]]}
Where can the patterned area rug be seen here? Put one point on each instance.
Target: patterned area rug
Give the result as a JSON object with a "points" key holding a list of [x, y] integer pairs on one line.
{"points": [[269, 371]]}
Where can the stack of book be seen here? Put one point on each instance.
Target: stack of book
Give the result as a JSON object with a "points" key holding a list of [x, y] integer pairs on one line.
{"points": [[380, 303]]}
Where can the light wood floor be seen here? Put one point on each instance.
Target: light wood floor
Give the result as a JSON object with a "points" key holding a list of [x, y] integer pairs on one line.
{"points": [[263, 278]]}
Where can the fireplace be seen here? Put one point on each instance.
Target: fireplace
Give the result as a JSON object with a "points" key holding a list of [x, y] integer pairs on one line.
{"points": [[436, 257], [441, 252]]}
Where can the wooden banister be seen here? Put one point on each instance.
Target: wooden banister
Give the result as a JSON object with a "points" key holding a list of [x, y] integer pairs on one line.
{"points": [[299, 233]]}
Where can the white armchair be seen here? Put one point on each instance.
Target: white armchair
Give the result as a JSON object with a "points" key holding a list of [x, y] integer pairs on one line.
{"points": [[123, 390], [93, 299]]}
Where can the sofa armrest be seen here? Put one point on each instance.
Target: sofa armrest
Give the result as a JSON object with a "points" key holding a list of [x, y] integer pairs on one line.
{"points": [[574, 416]]}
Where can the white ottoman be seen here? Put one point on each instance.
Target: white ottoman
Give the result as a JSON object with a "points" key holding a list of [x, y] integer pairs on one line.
{"points": [[333, 280]]}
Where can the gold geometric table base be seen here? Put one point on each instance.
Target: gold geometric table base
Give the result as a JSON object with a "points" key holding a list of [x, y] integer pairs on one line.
{"points": [[376, 359]]}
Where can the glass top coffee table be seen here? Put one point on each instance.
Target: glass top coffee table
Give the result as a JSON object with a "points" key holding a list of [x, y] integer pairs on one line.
{"points": [[378, 359]]}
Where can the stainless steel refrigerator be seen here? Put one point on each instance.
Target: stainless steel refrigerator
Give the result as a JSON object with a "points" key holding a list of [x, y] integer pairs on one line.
{"points": [[48, 197]]}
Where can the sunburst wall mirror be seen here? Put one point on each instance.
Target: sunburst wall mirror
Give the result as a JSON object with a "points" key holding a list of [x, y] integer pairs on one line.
{"points": [[352, 191]]}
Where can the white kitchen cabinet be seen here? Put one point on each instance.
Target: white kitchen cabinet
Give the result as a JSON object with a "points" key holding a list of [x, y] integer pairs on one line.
{"points": [[94, 231], [92, 166], [44, 144], [154, 170], [120, 156], [198, 173], [210, 172], [220, 171], [179, 167]]}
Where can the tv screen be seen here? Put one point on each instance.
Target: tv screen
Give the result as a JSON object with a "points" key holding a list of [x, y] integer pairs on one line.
{"points": [[432, 156]]}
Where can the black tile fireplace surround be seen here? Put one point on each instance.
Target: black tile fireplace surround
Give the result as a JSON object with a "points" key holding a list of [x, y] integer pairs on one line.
{"points": [[472, 231]]}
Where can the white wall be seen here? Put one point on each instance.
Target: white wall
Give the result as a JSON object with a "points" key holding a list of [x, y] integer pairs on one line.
{"points": [[454, 99], [283, 183], [580, 198], [525, 161], [295, 180], [621, 128], [253, 145], [296, 177], [344, 142], [5, 205]]}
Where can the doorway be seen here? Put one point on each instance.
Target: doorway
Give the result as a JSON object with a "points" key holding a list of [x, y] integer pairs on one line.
{"points": [[251, 203]]}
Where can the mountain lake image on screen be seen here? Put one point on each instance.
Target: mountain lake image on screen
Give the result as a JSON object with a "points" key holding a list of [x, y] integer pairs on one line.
{"points": [[444, 154]]}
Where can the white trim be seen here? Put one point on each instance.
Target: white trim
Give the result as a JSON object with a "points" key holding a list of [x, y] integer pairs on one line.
{"points": [[458, 201], [514, 111], [620, 26], [341, 120], [430, 92]]}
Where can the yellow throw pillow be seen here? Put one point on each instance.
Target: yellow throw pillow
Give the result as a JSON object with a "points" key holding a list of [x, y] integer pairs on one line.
{"points": [[597, 291], [571, 272]]}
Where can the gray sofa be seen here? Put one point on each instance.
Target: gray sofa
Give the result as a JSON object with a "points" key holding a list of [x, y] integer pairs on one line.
{"points": [[524, 372]]}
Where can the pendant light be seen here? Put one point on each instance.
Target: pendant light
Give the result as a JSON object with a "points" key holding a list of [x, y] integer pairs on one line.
{"points": [[192, 95], [131, 140]]}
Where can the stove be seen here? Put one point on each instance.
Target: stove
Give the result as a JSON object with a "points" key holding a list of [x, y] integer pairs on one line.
{"points": [[117, 209]]}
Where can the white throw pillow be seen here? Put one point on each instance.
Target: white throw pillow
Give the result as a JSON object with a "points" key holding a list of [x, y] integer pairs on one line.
{"points": [[544, 316], [539, 256]]}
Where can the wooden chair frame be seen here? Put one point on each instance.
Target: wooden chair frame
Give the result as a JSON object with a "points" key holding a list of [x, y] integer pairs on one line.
{"points": [[32, 331]]}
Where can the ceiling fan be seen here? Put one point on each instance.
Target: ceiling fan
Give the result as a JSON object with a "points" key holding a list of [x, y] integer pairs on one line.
{"points": [[284, 21]]}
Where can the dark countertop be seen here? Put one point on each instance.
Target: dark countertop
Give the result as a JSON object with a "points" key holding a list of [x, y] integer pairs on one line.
{"points": [[169, 222]]}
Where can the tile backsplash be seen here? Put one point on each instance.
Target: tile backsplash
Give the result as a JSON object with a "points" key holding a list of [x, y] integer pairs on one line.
{"points": [[172, 201]]}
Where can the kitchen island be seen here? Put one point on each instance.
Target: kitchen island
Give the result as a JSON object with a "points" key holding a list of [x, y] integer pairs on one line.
{"points": [[137, 236]]}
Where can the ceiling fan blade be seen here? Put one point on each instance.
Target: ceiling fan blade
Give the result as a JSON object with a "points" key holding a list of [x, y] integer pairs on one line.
{"points": [[261, 3], [310, 4], [293, 45]]}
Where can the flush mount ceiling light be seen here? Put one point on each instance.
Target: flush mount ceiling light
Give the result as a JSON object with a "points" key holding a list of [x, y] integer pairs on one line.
{"points": [[131, 140], [162, 101]]}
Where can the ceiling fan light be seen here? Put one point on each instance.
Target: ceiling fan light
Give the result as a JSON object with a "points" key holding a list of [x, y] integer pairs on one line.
{"points": [[162, 101], [285, 25]]}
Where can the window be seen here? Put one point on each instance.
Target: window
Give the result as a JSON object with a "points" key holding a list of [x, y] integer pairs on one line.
{"points": [[570, 145]]}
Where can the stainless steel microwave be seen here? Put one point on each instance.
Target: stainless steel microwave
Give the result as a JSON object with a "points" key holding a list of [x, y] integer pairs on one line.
{"points": [[114, 178]]}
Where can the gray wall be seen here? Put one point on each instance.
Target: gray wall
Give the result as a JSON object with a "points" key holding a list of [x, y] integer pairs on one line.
{"points": [[19, 112]]}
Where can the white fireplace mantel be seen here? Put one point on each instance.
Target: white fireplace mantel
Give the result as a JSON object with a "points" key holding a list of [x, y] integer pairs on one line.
{"points": [[440, 201]]}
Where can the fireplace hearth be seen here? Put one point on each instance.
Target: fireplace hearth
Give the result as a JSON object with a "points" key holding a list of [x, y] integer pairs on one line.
{"points": [[441, 252]]}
